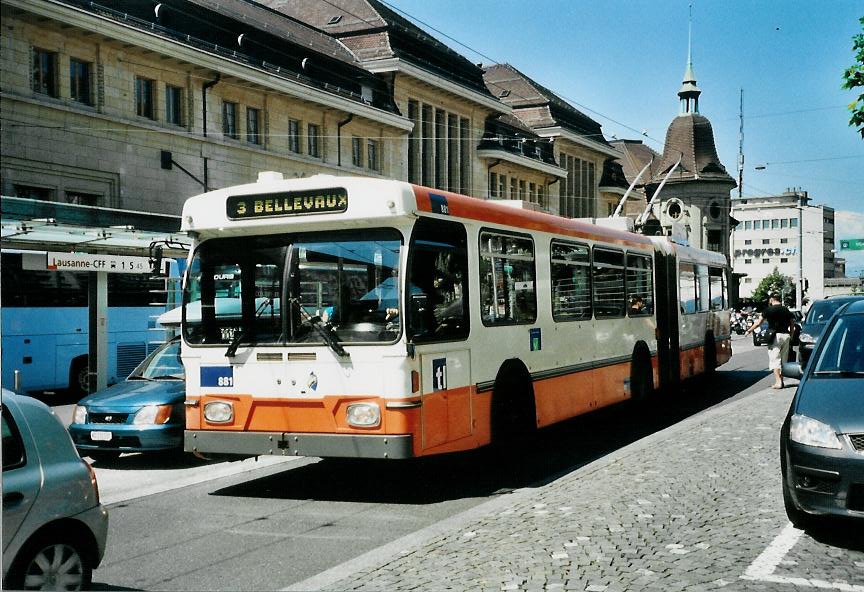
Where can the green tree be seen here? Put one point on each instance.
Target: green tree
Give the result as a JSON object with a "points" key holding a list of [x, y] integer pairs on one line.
{"points": [[854, 78], [775, 282]]}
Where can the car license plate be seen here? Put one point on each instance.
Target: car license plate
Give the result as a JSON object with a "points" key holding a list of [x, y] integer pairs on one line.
{"points": [[100, 436]]}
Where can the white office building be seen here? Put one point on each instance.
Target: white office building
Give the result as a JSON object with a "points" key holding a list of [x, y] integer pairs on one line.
{"points": [[786, 233]]}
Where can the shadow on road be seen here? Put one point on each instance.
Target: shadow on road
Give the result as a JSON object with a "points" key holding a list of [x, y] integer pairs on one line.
{"points": [[551, 453], [845, 533]]}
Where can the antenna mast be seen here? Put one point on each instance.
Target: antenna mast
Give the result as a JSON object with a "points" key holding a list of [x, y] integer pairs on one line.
{"points": [[741, 144]]}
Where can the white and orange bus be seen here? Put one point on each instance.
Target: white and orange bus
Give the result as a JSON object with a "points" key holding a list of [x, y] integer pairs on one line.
{"points": [[356, 317]]}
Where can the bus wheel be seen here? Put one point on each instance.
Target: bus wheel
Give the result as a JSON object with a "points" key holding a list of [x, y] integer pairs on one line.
{"points": [[710, 360], [641, 374], [513, 413], [79, 380]]}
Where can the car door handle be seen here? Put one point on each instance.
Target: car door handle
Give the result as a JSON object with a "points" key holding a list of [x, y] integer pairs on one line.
{"points": [[14, 498]]}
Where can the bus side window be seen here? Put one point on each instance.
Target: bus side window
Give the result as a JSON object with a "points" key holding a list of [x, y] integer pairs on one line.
{"points": [[507, 279], [609, 299], [687, 288], [640, 288], [437, 297], [718, 297]]}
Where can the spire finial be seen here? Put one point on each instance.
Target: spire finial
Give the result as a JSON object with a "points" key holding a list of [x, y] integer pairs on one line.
{"points": [[689, 93]]}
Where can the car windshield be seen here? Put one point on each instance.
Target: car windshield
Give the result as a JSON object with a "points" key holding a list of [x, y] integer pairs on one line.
{"points": [[822, 311], [164, 363], [323, 287], [843, 351]]}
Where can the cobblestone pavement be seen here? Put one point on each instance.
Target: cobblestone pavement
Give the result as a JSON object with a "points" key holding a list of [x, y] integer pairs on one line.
{"points": [[695, 507]]}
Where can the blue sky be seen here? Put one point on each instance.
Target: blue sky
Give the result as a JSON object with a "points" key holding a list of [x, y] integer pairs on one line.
{"points": [[622, 62]]}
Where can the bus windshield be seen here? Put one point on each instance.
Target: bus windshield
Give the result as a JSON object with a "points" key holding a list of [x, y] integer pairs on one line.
{"points": [[331, 287]]}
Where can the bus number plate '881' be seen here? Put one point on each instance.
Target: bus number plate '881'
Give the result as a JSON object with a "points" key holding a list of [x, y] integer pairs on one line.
{"points": [[218, 376]]}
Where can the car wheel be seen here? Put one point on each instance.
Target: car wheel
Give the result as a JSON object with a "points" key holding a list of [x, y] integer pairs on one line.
{"points": [[798, 518], [48, 563]]}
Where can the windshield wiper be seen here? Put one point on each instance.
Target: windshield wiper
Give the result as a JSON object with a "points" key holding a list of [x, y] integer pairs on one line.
{"points": [[140, 378], [325, 330], [241, 334], [841, 373]]}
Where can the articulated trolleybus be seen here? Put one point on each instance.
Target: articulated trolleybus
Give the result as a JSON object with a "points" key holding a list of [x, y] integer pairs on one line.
{"points": [[354, 317]]}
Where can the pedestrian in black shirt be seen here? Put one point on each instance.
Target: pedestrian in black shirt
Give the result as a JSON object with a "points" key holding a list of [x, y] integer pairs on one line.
{"points": [[780, 321]]}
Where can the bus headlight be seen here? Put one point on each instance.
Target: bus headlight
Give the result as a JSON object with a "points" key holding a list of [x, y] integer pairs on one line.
{"points": [[363, 415], [80, 414], [152, 415], [219, 412]]}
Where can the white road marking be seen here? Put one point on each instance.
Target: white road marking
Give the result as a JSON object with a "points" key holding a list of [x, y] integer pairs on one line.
{"points": [[762, 569]]}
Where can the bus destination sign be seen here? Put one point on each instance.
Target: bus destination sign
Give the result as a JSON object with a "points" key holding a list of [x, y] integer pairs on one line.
{"points": [[287, 203]]}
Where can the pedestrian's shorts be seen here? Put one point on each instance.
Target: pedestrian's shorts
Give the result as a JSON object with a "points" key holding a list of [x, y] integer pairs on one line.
{"points": [[778, 352]]}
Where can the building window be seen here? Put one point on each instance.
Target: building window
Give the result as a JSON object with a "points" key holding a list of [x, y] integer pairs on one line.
{"points": [[541, 198], [766, 241], [83, 199], [748, 224], [775, 223], [493, 185], [414, 152], [44, 72], [465, 154], [372, 155], [784, 223], [522, 189], [766, 261], [229, 120], [30, 192], [784, 260], [748, 242], [174, 105], [784, 241], [793, 222], [714, 240], [757, 224], [532, 192], [748, 261], [356, 151], [294, 136], [253, 125], [79, 81], [440, 149], [144, 98], [313, 139], [748, 280]]}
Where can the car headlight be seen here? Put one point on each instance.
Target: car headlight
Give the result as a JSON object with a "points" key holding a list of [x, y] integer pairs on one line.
{"points": [[219, 412], [806, 430], [807, 338], [80, 414], [153, 415], [364, 415]]}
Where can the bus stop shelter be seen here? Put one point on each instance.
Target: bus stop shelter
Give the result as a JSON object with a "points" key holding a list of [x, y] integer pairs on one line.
{"points": [[94, 240]]}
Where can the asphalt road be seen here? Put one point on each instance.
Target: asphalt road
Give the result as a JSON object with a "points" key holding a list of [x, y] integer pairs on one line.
{"points": [[177, 524]]}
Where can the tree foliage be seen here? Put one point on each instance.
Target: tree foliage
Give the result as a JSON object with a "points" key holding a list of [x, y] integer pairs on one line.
{"points": [[775, 282], [854, 79]]}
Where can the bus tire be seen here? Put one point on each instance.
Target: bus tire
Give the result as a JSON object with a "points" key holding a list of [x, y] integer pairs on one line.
{"points": [[710, 353], [79, 379], [513, 415], [641, 373]]}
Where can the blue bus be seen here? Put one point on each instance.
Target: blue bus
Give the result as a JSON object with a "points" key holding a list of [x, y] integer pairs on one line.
{"points": [[45, 324]]}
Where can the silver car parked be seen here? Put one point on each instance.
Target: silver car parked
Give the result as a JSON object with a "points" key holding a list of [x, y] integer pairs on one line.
{"points": [[54, 527]]}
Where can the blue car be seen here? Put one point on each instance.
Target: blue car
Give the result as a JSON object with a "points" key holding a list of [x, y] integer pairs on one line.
{"points": [[142, 414]]}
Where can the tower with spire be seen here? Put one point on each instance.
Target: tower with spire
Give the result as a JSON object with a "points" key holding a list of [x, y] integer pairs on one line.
{"points": [[695, 200]]}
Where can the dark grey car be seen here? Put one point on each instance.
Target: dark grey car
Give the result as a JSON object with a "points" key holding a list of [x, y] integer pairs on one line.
{"points": [[817, 317], [822, 438], [54, 528]]}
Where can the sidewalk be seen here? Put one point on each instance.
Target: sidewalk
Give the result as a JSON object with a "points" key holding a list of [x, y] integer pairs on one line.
{"points": [[689, 508]]}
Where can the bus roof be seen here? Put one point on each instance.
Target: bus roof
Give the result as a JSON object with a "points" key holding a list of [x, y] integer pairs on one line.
{"points": [[271, 201]]}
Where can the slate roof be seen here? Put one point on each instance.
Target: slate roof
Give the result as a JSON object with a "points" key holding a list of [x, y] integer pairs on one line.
{"points": [[636, 156], [536, 105], [374, 32], [692, 136]]}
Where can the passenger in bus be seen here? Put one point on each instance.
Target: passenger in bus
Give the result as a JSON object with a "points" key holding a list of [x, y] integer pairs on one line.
{"points": [[636, 305]]}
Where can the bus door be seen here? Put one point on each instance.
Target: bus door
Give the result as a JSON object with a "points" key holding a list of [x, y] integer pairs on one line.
{"points": [[436, 298], [667, 319]]}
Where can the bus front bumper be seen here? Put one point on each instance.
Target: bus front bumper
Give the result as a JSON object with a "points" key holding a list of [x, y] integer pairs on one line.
{"points": [[298, 444]]}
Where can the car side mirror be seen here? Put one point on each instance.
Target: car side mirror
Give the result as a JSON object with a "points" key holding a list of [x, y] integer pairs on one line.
{"points": [[792, 370]]}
